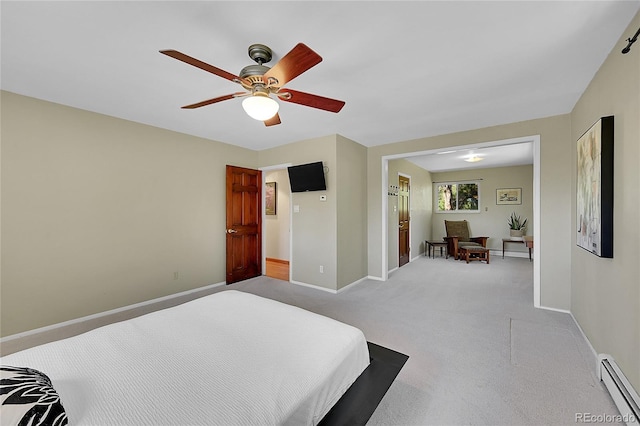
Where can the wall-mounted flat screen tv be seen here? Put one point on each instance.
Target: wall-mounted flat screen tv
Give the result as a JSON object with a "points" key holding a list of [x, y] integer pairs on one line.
{"points": [[307, 177]]}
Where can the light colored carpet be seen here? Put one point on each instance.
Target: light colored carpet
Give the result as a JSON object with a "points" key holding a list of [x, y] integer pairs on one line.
{"points": [[480, 353]]}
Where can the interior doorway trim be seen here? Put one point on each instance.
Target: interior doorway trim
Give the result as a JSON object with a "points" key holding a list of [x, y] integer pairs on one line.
{"points": [[264, 218], [535, 139], [410, 220]]}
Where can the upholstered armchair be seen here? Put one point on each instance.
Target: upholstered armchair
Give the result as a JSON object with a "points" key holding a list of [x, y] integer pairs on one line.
{"points": [[458, 236]]}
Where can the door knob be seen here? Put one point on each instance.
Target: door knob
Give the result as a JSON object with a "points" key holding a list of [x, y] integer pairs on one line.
{"points": [[231, 231]]}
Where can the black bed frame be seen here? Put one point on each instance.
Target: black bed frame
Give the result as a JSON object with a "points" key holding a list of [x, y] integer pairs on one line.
{"points": [[360, 401]]}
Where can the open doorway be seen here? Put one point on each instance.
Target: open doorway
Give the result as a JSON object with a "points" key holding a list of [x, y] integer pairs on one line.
{"points": [[386, 181], [276, 233]]}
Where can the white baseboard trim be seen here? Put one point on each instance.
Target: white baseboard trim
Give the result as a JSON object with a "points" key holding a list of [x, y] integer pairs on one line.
{"points": [[356, 282], [593, 350], [316, 287], [330, 290], [371, 277], [493, 252], [547, 308], [623, 394], [594, 354], [76, 326], [510, 253]]}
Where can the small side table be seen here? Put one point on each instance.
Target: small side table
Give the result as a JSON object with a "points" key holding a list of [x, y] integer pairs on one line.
{"points": [[433, 244], [528, 243]]}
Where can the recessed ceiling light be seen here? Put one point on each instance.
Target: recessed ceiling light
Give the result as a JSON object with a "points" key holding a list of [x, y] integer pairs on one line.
{"points": [[473, 159]]}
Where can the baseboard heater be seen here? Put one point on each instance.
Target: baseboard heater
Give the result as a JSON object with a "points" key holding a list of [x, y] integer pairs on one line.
{"points": [[622, 393]]}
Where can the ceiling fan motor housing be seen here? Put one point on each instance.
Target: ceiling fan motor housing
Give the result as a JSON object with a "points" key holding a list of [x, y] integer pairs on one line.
{"points": [[260, 53], [253, 73], [250, 72]]}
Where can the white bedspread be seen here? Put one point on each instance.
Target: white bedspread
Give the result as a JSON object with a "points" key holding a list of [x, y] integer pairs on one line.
{"points": [[231, 358]]}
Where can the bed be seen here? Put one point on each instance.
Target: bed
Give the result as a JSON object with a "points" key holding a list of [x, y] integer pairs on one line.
{"points": [[229, 358]]}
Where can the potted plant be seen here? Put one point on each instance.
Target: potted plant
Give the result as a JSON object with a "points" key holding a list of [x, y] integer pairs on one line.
{"points": [[516, 226]]}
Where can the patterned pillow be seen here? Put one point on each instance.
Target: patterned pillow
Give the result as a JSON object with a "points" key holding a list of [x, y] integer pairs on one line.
{"points": [[27, 397]]}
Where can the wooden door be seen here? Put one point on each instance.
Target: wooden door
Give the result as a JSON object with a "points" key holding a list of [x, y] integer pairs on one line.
{"points": [[244, 223], [403, 217]]}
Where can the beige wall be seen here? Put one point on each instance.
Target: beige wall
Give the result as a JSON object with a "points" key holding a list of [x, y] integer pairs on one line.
{"points": [[555, 188], [330, 233], [99, 213], [491, 220], [276, 227], [351, 211], [314, 226], [420, 214], [605, 297]]}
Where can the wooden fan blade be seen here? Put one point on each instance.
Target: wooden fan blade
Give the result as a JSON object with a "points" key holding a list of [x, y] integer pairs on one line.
{"points": [[294, 63], [313, 101], [202, 65], [272, 121], [214, 100]]}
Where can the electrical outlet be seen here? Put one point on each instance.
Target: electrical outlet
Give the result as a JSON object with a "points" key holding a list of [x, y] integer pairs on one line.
{"points": [[321, 269]]}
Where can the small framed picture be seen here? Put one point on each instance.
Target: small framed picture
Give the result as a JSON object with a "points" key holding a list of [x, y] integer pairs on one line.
{"points": [[509, 196], [270, 198]]}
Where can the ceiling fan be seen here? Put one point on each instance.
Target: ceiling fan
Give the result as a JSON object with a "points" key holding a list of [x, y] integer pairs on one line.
{"points": [[261, 82]]}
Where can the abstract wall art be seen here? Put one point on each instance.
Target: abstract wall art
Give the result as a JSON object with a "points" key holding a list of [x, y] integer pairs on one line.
{"points": [[594, 189]]}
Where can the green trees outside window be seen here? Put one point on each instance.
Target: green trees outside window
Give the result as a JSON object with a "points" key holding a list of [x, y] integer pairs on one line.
{"points": [[458, 196]]}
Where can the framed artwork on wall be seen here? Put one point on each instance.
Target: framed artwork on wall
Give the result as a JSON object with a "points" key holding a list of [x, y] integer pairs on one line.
{"points": [[594, 189], [270, 197], [509, 196]]}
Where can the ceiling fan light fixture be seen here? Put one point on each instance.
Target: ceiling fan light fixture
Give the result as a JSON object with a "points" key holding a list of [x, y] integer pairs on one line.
{"points": [[260, 81], [260, 107]]}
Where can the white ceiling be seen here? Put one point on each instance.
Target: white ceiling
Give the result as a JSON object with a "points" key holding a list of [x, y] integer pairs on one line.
{"points": [[405, 69], [515, 154]]}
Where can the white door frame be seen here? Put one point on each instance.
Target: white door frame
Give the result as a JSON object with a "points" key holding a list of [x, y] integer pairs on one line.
{"points": [[264, 219], [410, 222]]}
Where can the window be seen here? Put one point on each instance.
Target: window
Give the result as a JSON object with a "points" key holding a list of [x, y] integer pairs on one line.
{"points": [[458, 196]]}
